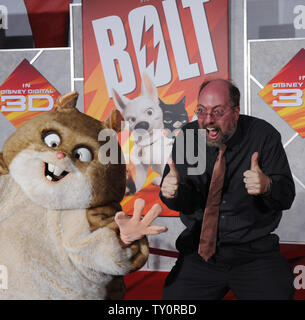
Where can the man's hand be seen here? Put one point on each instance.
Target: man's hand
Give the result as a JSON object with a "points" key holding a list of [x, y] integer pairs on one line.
{"points": [[255, 180], [170, 182], [135, 228]]}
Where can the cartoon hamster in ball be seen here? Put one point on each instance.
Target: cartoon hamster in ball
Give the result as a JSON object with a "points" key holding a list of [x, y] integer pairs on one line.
{"points": [[59, 237]]}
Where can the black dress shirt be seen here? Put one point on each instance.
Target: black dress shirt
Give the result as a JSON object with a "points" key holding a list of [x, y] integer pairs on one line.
{"points": [[242, 217]]}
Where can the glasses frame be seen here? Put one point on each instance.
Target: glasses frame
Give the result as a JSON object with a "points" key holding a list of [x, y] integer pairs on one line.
{"points": [[213, 114]]}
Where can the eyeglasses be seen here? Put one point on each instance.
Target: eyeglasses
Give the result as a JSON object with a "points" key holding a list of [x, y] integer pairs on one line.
{"points": [[216, 114]]}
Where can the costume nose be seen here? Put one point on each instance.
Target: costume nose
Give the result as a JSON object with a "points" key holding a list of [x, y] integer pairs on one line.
{"points": [[60, 155]]}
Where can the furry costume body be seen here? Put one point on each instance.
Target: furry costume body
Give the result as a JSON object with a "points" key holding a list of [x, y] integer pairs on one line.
{"points": [[58, 238]]}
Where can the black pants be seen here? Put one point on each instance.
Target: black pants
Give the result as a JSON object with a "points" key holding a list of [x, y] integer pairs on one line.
{"points": [[255, 270]]}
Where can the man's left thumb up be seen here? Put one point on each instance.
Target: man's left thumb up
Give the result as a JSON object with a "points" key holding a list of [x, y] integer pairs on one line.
{"points": [[254, 162]]}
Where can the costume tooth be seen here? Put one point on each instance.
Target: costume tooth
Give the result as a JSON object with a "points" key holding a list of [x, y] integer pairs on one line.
{"points": [[51, 167], [57, 171]]}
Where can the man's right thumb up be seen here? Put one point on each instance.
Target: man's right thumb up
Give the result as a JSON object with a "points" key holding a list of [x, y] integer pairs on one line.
{"points": [[172, 168], [170, 183]]}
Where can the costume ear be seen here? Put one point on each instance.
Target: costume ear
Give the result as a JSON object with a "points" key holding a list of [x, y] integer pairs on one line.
{"points": [[119, 100], [148, 88], [114, 121], [3, 167], [67, 101]]}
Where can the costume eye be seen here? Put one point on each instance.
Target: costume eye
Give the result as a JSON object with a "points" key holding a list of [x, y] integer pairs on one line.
{"points": [[132, 119], [51, 139], [167, 121], [149, 112], [83, 154]]}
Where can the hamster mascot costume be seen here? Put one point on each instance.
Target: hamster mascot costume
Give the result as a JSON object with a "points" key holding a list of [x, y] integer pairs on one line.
{"points": [[59, 236]]}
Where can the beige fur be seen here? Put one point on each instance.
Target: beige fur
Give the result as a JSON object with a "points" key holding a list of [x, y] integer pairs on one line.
{"points": [[58, 239], [3, 167]]}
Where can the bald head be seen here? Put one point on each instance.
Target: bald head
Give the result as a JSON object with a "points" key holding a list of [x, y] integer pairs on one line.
{"points": [[225, 87]]}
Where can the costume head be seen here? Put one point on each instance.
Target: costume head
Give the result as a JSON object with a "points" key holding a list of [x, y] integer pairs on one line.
{"points": [[54, 159]]}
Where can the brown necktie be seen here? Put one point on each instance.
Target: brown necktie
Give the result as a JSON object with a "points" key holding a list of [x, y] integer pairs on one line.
{"points": [[207, 243]]}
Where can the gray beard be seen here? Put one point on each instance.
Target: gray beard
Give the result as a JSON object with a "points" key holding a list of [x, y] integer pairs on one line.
{"points": [[225, 138]]}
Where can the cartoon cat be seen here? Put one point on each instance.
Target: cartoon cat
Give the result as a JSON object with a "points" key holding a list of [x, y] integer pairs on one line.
{"points": [[58, 237], [174, 115]]}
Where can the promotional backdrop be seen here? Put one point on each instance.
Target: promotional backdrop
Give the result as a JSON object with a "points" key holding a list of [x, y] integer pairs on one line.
{"points": [[176, 44]]}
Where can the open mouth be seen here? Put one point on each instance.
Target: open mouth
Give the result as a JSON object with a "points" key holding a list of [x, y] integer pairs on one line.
{"points": [[213, 133], [53, 173]]}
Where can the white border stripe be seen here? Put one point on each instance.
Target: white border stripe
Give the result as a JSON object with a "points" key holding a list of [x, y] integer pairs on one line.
{"points": [[248, 79], [36, 57], [298, 180], [290, 140], [292, 242], [34, 49], [72, 49], [246, 86], [279, 39], [256, 81]]}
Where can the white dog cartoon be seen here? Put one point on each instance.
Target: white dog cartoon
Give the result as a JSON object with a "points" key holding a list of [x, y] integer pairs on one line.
{"points": [[145, 121]]}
